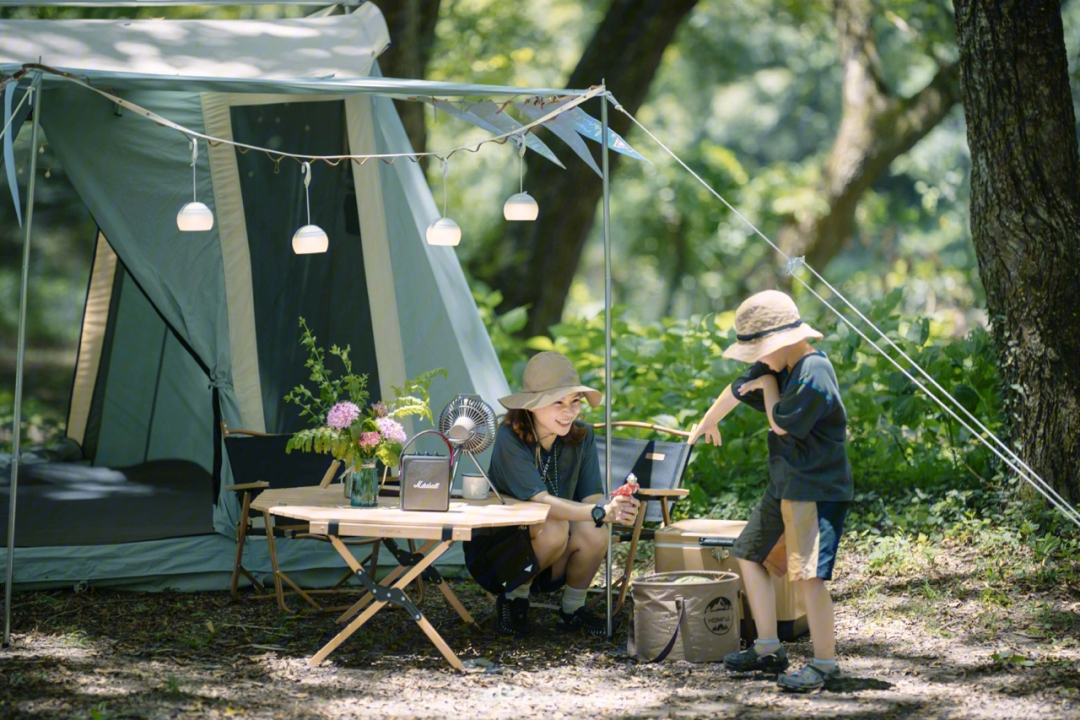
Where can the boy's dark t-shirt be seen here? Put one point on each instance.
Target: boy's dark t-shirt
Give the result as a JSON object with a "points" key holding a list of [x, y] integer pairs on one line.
{"points": [[513, 466], [810, 462]]}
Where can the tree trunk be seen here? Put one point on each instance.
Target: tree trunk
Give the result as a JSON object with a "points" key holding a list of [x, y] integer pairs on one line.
{"points": [[412, 32], [876, 128], [1025, 219], [535, 263]]}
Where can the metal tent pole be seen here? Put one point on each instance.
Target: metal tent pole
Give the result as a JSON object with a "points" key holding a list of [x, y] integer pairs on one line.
{"points": [[607, 339], [21, 353]]}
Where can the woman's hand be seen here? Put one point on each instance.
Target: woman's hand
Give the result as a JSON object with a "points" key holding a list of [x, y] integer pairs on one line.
{"points": [[622, 510]]}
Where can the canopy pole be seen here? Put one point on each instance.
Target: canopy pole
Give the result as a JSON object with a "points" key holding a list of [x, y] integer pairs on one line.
{"points": [[607, 338], [21, 354]]}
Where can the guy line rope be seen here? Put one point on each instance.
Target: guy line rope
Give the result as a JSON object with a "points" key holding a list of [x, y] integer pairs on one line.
{"points": [[998, 447]]}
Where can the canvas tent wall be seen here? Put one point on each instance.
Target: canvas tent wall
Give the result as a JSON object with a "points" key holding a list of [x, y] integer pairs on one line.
{"points": [[181, 325]]}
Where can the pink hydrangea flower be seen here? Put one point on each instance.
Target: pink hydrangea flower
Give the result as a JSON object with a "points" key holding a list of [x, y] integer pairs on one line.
{"points": [[391, 429], [342, 415], [380, 409], [369, 440]]}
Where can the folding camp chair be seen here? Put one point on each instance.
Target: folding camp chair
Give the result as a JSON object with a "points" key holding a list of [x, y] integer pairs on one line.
{"points": [[259, 461], [659, 467]]}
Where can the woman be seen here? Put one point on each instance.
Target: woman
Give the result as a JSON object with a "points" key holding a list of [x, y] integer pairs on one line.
{"points": [[543, 454]]}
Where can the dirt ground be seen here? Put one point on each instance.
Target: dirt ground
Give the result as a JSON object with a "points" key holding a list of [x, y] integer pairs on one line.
{"points": [[949, 644]]}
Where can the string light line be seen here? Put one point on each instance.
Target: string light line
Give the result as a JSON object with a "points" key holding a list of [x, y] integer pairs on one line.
{"points": [[332, 160], [1015, 463]]}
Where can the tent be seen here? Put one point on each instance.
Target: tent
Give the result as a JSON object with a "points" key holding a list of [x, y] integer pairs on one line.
{"points": [[184, 329]]}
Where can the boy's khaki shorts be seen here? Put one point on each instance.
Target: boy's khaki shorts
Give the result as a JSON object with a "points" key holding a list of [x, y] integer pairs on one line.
{"points": [[796, 537]]}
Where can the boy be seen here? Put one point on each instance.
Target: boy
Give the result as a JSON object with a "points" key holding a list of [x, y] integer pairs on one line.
{"points": [[810, 489]]}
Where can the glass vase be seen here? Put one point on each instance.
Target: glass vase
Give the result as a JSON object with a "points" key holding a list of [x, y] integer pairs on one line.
{"points": [[362, 484]]}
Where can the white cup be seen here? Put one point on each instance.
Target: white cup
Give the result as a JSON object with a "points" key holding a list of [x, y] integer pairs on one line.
{"points": [[474, 487]]}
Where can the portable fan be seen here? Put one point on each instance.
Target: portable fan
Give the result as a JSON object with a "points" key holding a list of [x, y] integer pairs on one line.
{"points": [[469, 423]]}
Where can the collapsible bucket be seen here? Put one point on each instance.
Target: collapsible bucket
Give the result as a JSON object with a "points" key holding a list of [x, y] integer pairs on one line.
{"points": [[686, 615]]}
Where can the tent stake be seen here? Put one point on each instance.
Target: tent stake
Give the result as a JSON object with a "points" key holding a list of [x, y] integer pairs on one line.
{"points": [[17, 422], [607, 341]]}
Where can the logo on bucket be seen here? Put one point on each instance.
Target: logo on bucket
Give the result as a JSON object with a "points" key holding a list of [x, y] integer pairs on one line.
{"points": [[719, 616]]}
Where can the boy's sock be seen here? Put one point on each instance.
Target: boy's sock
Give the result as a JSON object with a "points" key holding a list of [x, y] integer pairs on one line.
{"points": [[826, 666], [521, 591], [766, 646], [572, 599]]}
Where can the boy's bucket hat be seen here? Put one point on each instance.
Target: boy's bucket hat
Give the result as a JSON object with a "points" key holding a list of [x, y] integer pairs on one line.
{"points": [[548, 377], [766, 322]]}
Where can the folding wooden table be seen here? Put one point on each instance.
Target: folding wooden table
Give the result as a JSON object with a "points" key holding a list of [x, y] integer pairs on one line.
{"points": [[327, 514]]}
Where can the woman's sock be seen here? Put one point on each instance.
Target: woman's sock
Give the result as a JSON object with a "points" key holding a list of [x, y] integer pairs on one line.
{"points": [[521, 591], [572, 599]]}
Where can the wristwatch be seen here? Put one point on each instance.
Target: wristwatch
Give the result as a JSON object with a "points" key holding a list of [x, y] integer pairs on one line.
{"points": [[599, 512]]}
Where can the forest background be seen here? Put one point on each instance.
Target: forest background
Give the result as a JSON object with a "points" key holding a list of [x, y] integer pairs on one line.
{"points": [[752, 94]]}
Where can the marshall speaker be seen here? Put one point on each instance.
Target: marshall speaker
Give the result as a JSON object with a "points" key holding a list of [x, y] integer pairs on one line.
{"points": [[425, 478]]}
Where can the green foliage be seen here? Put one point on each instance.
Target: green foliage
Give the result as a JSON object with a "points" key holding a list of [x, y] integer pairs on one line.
{"points": [[366, 437], [42, 423], [915, 467], [328, 389]]}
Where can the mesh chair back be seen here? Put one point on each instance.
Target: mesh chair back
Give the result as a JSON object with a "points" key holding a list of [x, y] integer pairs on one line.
{"points": [[262, 458], [658, 465]]}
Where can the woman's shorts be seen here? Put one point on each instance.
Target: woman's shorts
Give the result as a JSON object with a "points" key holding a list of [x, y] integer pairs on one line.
{"points": [[503, 560], [810, 532]]}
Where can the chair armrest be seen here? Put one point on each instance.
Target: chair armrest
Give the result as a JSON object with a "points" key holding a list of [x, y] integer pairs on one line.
{"points": [[646, 426], [260, 485], [662, 492]]}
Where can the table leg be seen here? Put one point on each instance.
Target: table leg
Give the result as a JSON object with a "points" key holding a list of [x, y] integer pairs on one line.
{"points": [[383, 596], [279, 591], [431, 575], [386, 582]]}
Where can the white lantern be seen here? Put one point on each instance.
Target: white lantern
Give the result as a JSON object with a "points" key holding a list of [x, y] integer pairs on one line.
{"points": [[521, 206], [194, 217], [443, 231], [310, 239]]}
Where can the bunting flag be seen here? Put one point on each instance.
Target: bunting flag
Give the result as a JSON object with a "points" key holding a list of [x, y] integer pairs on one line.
{"points": [[592, 129], [11, 129], [488, 116], [561, 125]]}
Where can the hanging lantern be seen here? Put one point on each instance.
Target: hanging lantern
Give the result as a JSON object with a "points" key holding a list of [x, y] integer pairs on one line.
{"points": [[309, 239], [521, 205], [194, 216], [443, 231]]}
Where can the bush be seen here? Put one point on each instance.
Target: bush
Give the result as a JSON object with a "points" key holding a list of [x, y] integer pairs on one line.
{"points": [[906, 452]]}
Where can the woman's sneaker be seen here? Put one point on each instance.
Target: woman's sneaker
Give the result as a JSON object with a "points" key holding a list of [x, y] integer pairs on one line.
{"points": [[808, 679], [581, 620], [748, 660], [511, 616]]}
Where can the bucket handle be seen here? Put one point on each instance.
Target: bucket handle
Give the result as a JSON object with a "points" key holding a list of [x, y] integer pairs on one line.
{"points": [[681, 606]]}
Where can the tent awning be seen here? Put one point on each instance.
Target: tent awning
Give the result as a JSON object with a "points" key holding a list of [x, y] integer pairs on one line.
{"points": [[314, 55], [343, 46]]}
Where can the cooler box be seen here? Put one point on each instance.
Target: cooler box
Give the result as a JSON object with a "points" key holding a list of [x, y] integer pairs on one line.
{"points": [[704, 544]]}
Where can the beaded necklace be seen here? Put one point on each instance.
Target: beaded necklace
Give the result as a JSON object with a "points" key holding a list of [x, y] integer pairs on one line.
{"points": [[549, 470]]}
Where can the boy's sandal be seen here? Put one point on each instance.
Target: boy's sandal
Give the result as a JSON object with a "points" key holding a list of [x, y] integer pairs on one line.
{"points": [[749, 660], [808, 679]]}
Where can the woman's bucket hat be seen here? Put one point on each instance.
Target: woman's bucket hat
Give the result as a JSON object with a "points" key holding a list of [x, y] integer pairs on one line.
{"points": [[549, 376], [766, 322]]}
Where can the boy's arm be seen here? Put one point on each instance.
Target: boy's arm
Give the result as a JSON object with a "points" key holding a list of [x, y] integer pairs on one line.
{"points": [[708, 424], [772, 396]]}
